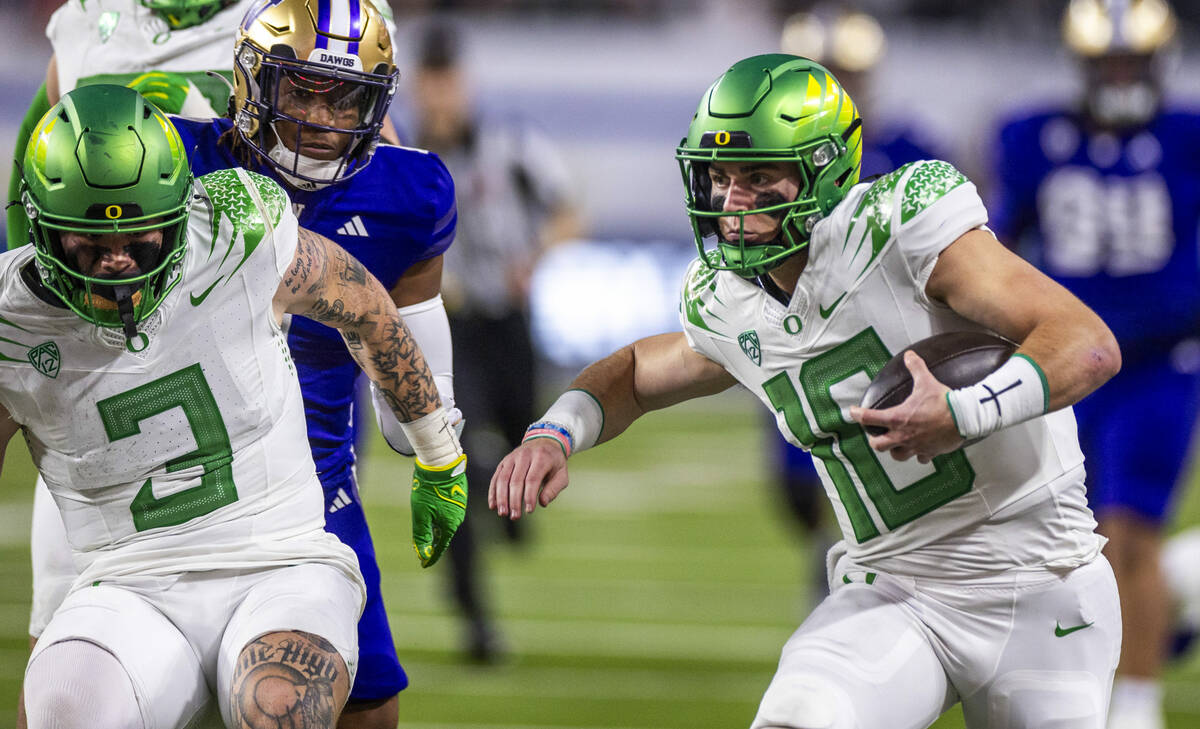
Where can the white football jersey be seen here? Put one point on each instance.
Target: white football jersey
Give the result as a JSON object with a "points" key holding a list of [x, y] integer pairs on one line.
{"points": [[186, 448], [113, 41], [1015, 499]]}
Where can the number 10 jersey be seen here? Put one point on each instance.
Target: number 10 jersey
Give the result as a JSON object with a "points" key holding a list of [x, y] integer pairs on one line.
{"points": [[1014, 500]]}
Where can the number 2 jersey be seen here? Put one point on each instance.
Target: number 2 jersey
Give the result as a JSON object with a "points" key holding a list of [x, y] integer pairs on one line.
{"points": [[184, 449], [1011, 501]]}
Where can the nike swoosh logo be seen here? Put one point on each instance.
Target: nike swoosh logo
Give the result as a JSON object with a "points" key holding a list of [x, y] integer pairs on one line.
{"points": [[456, 489], [825, 311], [198, 300], [1060, 631]]}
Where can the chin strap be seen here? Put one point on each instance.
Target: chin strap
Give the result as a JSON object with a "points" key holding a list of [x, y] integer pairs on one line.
{"points": [[124, 298]]}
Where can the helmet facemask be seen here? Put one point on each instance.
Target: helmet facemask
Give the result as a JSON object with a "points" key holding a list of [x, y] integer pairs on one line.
{"points": [[327, 103], [104, 161], [1124, 48], [795, 114], [109, 302], [797, 217]]}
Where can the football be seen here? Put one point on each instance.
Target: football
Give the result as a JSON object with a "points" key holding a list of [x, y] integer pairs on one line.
{"points": [[956, 359]]}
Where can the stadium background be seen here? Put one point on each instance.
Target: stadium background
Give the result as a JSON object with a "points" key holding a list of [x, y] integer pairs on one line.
{"points": [[659, 589]]}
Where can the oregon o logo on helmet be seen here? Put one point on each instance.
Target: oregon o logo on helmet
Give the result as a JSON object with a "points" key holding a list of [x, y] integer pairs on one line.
{"points": [[722, 138], [112, 212]]}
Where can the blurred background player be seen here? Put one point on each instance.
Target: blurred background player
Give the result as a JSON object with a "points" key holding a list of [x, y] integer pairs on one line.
{"points": [[1104, 196], [514, 201], [315, 129], [850, 43]]}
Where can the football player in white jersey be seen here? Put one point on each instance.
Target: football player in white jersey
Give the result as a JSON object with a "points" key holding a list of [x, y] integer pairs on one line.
{"points": [[969, 569], [142, 357]]}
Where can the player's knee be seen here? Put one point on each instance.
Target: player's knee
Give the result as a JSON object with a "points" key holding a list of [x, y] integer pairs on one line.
{"points": [[804, 703], [75, 683], [288, 679]]}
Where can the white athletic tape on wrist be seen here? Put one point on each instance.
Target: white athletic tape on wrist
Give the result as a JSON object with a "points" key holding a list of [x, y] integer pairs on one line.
{"points": [[433, 439], [1012, 394], [575, 420]]}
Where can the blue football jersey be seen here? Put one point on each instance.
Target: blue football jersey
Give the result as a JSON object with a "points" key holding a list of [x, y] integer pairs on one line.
{"points": [[1112, 217], [397, 211]]}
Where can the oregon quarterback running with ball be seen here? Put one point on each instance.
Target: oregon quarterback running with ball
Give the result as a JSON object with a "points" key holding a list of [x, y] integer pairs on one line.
{"points": [[965, 574]]}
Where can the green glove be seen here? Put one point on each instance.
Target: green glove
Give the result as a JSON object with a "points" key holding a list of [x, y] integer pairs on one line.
{"points": [[439, 505], [164, 89]]}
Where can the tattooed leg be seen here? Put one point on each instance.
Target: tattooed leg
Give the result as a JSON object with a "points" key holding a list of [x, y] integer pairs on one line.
{"points": [[291, 680]]}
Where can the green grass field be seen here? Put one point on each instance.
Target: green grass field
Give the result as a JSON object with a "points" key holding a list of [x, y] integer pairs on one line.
{"points": [[655, 593]]}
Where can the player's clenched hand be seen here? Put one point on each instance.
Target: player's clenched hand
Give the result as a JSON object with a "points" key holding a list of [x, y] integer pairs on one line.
{"points": [[439, 505], [533, 473], [164, 89], [921, 426]]}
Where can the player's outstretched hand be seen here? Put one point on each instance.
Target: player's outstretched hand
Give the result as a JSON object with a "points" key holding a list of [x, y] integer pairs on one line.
{"points": [[164, 89], [439, 505], [533, 473], [921, 426]]}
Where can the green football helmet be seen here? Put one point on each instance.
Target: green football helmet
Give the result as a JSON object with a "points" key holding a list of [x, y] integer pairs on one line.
{"points": [[105, 160], [180, 14], [771, 108]]}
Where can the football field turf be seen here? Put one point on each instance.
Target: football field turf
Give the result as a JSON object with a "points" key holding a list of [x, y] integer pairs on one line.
{"points": [[654, 594]]}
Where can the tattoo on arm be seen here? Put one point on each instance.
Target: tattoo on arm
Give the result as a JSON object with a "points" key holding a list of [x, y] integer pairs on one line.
{"points": [[340, 292], [289, 679]]}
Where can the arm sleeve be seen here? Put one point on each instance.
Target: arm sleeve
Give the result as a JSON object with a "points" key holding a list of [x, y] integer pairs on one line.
{"points": [[429, 326], [17, 223]]}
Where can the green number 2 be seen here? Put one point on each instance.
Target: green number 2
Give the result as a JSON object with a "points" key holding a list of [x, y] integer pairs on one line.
{"points": [[864, 353], [186, 389]]}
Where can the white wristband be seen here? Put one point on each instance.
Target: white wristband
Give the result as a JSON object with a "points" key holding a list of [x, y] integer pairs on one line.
{"points": [[1014, 393], [433, 439], [578, 413]]}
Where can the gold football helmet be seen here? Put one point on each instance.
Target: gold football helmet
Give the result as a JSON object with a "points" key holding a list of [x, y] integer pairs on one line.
{"points": [[312, 83], [1121, 44]]}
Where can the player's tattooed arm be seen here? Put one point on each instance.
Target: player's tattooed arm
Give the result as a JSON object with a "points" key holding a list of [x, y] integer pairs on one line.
{"points": [[288, 679], [327, 284]]}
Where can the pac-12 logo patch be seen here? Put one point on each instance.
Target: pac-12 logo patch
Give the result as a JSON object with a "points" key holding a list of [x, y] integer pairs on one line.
{"points": [[45, 358], [749, 341]]}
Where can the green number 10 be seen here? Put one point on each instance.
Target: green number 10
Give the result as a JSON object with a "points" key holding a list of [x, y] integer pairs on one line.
{"points": [[866, 354], [186, 389]]}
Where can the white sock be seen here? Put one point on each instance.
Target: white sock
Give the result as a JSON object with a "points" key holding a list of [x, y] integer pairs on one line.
{"points": [[1136, 702]]}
